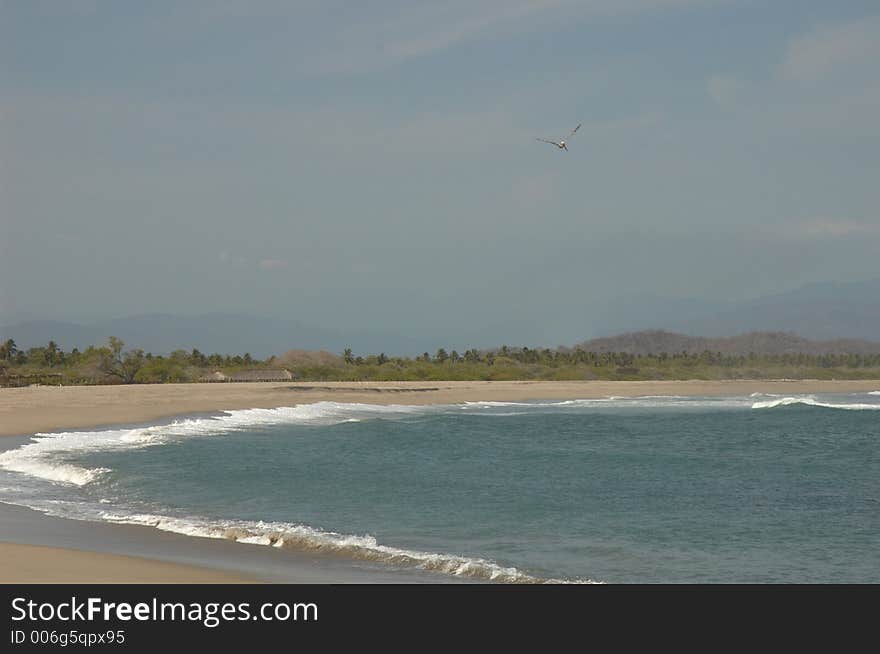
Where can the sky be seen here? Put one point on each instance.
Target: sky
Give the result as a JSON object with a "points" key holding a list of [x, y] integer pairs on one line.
{"points": [[374, 165]]}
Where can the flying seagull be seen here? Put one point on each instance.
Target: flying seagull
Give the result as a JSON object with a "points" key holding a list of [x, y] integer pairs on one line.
{"points": [[561, 144]]}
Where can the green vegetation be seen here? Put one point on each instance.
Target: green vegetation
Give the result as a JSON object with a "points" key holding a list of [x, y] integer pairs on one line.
{"points": [[112, 364]]}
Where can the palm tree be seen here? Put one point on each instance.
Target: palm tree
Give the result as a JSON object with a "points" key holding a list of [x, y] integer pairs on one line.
{"points": [[8, 350], [51, 353]]}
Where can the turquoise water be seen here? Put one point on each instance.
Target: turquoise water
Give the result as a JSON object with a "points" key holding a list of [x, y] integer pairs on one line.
{"points": [[760, 489]]}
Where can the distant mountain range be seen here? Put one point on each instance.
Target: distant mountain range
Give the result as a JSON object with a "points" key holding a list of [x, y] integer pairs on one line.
{"points": [[826, 312], [761, 343], [222, 333]]}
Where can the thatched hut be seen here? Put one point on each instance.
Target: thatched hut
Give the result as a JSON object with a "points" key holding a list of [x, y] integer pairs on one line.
{"points": [[261, 376]]}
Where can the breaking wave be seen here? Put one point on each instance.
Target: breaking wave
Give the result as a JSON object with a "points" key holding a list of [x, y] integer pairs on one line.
{"points": [[51, 456], [48, 455], [361, 548], [812, 401], [58, 458], [641, 401]]}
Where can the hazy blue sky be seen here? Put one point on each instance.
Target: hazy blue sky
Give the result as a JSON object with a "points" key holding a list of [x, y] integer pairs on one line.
{"points": [[374, 164]]}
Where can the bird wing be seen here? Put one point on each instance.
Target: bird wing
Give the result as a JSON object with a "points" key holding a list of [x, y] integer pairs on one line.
{"points": [[550, 142], [574, 130]]}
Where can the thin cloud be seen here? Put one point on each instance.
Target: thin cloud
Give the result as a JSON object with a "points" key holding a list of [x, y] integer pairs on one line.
{"points": [[273, 264], [815, 55], [231, 259], [410, 31], [723, 89], [825, 228], [839, 228]]}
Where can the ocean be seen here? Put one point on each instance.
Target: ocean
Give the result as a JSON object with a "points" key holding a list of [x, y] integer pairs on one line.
{"points": [[677, 490]]}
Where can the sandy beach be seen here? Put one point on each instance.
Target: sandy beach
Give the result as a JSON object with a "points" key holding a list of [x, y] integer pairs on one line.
{"points": [[36, 548], [33, 563], [39, 549], [29, 410]]}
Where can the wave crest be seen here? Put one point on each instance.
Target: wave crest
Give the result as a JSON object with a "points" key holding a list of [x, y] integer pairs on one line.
{"points": [[812, 401], [361, 548], [47, 455]]}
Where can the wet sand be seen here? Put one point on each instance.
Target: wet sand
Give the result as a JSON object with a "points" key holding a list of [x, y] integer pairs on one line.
{"points": [[36, 548], [23, 564]]}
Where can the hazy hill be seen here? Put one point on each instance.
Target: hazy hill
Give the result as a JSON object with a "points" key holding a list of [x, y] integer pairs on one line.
{"points": [[657, 341], [223, 333], [823, 311]]}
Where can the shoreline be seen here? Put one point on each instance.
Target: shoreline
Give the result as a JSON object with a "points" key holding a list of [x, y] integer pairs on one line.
{"points": [[29, 410], [38, 548]]}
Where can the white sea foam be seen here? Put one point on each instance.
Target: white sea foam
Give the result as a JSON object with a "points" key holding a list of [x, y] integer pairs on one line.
{"points": [[812, 401], [50, 456], [46, 456], [54, 472], [362, 548], [873, 392], [659, 402], [614, 401], [299, 538], [504, 414], [493, 405]]}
